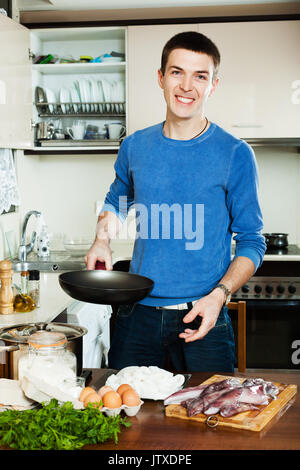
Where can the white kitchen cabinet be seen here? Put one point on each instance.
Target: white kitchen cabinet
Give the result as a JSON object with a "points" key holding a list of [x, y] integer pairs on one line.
{"points": [[15, 85], [146, 104], [259, 72], [61, 109]]}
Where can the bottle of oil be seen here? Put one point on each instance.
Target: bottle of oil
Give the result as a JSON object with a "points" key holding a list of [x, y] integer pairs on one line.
{"points": [[23, 302], [34, 286]]}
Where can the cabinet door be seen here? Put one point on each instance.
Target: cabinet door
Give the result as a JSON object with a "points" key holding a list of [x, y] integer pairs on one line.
{"points": [[259, 74], [146, 104], [15, 86]]}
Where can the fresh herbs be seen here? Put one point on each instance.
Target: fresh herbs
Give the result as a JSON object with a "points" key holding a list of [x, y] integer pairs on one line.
{"points": [[57, 427]]}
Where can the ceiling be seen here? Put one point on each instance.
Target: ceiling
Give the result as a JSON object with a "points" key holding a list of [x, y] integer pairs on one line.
{"points": [[31, 5]]}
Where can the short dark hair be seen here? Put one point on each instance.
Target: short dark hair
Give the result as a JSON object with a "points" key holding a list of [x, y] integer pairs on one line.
{"points": [[192, 41]]}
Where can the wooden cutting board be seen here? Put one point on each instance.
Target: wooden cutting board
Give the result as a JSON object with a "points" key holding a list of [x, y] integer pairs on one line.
{"points": [[253, 420]]}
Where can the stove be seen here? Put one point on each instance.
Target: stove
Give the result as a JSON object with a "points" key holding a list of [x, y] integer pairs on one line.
{"points": [[278, 278], [270, 288], [272, 298]]}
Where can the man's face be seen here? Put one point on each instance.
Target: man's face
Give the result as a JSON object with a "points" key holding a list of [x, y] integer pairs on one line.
{"points": [[187, 83]]}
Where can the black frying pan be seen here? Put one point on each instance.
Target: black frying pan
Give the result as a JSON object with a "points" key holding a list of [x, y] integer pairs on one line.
{"points": [[105, 287]]}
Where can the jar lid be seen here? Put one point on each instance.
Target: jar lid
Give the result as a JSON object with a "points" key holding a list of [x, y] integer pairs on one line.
{"points": [[47, 339], [34, 275]]}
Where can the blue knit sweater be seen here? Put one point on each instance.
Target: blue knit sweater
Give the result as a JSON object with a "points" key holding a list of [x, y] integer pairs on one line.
{"points": [[191, 197]]}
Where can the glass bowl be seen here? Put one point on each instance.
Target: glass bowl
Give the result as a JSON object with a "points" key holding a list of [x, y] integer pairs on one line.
{"points": [[77, 246]]}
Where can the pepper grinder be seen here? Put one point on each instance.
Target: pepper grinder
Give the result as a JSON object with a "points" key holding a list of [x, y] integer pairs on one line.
{"points": [[6, 292]]}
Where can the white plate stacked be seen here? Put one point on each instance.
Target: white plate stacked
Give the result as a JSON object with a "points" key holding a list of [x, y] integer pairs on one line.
{"points": [[89, 95]]}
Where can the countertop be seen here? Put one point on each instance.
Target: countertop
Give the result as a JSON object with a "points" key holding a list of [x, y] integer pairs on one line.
{"points": [[53, 300], [152, 430]]}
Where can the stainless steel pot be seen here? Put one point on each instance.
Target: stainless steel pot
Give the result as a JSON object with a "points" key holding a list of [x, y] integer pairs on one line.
{"points": [[13, 344]]}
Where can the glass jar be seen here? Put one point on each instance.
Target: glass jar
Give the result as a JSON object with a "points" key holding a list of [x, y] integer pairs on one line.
{"points": [[48, 358], [34, 286]]}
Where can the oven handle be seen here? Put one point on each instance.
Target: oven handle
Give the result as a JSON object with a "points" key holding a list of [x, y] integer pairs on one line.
{"points": [[270, 302]]}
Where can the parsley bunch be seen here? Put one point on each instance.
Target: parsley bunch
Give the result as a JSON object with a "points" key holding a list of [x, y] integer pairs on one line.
{"points": [[57, 427]]}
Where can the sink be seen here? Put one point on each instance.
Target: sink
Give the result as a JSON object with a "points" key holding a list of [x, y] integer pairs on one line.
{"points": [[57, 262]]}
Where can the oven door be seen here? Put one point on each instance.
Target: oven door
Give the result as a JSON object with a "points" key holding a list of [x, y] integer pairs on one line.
{"points": [[273, 334]]}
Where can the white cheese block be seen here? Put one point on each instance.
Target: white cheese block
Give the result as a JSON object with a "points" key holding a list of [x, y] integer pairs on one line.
{"points": [[12, 394], [41, 391]]}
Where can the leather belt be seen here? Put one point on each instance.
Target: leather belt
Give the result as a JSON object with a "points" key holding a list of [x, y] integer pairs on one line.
{"points": [[185, 306]]}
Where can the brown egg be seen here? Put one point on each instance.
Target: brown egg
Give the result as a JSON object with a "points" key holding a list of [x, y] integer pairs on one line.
{"points": [[85, 392], [102, 391], [93, 398], [130, 398], [112, 399], [122, 388]]}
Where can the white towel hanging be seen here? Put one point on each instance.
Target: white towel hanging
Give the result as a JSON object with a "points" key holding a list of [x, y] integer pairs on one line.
{"points": [[9, 191]]}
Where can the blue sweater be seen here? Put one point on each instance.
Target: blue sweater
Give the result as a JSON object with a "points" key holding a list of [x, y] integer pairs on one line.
{"points": [[190, 197]]}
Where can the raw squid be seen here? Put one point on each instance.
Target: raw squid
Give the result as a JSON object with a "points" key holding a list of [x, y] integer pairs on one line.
{"points": [[196, 392], [236, 408], [185, 394], [255, 395], [269, 388], [227, 397]]}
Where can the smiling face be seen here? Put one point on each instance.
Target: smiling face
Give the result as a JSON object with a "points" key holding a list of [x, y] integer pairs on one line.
{"points": [[187, 83]]}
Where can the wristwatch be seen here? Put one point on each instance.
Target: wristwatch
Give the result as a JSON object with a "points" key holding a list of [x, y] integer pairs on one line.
{"points": [[226, 291]]}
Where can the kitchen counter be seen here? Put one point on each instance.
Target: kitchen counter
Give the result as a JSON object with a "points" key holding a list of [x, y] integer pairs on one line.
{"points": [[53, 301], [152, 430]]}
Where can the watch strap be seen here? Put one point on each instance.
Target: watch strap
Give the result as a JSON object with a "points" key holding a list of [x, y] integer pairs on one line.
{"points": [[226, 291]]}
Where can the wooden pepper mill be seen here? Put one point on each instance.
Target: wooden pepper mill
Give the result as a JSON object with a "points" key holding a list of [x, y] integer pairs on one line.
{"points": [[6, 292]]}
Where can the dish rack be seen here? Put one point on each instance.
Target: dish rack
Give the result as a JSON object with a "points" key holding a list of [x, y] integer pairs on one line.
{"points": [[86, 109]]}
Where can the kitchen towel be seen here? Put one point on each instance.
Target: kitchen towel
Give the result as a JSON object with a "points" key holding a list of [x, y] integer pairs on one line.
{"points": [[96, 343], [9, 191]]}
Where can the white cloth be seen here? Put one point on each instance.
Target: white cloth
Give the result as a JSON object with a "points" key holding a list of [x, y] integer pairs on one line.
{"points": [[9, 192], [96, 342]]}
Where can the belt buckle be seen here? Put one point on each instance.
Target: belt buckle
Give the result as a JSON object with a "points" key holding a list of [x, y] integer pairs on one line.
{"points": [[183, 306]]}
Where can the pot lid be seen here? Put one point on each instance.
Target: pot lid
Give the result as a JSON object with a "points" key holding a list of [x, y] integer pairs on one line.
{"points": [[20, 333]]}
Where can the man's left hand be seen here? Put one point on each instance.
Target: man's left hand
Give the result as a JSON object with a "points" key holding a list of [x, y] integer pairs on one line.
{"points": [[208, 308]]}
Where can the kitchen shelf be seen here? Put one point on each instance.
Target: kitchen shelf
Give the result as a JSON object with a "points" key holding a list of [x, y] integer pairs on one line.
{"points": [[101, 150], [79, 68], [275, 142], [80, 143]]}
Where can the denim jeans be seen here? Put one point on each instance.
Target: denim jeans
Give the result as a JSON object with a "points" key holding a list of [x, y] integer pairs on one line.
{"points": [[143, 336]]}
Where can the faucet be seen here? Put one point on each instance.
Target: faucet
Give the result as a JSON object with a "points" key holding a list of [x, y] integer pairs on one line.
{"points": [[24, 249]]}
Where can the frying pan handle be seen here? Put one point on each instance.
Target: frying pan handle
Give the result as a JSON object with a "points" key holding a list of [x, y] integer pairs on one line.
{"points": [[100, 265]]}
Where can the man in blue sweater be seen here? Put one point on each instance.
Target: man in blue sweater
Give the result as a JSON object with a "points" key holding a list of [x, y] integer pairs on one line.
{"points": [[193, 185]]}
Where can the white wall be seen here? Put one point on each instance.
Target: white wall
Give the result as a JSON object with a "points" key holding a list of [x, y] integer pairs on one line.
{"points": [[279, 173], [65, 188]]}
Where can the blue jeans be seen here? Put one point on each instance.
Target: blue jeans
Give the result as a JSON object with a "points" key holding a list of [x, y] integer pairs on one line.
{"points": [[143, 336]]}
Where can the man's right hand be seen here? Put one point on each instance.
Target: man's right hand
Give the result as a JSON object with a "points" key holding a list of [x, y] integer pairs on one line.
{"points": [[99, 251]]}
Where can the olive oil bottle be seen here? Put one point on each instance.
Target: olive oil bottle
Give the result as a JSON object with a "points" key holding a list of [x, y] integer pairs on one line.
{"points": [[23, 302]]}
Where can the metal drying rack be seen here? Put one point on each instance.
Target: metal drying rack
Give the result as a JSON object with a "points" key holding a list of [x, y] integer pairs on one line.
{"points": [[86, 109]]}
